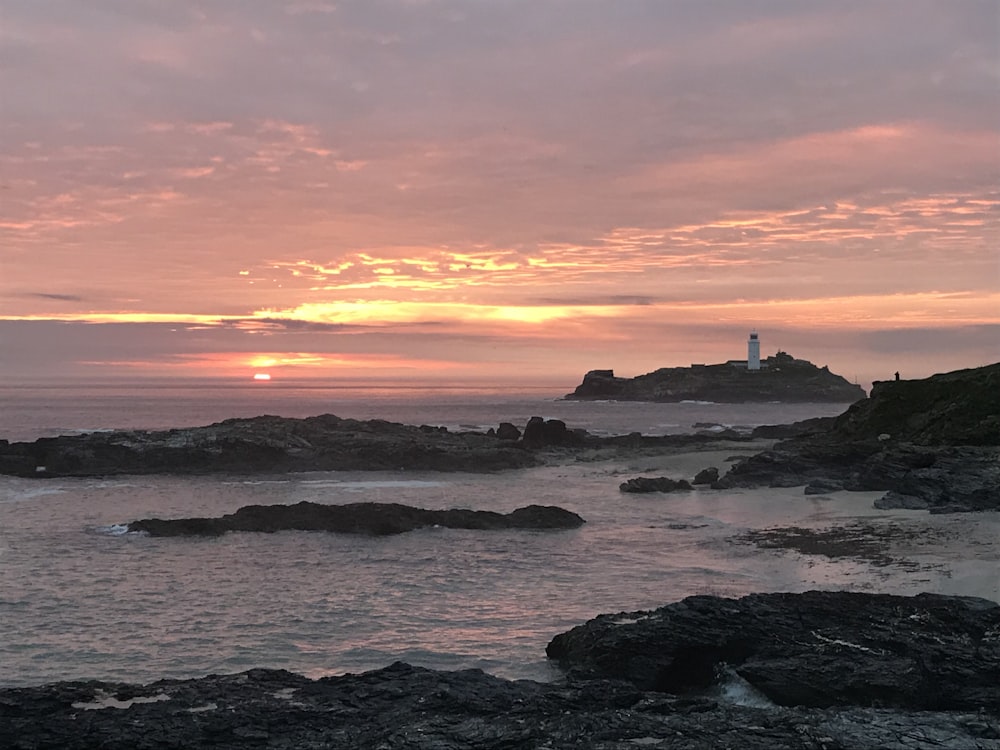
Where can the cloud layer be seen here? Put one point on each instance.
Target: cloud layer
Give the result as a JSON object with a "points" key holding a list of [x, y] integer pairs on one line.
{"points": [[499, 188]]}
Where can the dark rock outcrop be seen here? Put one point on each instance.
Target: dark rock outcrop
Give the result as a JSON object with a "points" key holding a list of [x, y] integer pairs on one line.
{"points": [[816, 425], [817, 649], [375, 519], [265, 444], [823, 487], [325, 443], [539, 432], [932, 443], [508, 431], [781, 378], [878, 544], [706, 476], [926, 678], [654, 484]]}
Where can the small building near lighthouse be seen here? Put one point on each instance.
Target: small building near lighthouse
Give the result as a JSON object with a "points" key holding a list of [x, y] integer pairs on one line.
{"points": [[753, 352]]}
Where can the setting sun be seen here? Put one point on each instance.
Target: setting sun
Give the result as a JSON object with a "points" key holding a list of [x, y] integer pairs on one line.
{"points": [[261, 376]]}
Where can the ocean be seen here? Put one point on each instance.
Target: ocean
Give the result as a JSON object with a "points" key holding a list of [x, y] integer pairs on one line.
{"points": [[80, 599]]}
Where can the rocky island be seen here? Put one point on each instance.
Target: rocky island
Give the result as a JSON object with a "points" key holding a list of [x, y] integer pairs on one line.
{"points": [[780, 378], [822, 670]]}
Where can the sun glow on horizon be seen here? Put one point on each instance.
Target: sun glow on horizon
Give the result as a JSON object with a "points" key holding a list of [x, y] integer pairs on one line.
{"points": [[936, 309], [261, 376]]}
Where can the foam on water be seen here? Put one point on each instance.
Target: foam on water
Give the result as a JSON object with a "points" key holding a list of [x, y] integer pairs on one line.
{"points": [[115, 529], [372, 484], [733, 689], [13, 492]]}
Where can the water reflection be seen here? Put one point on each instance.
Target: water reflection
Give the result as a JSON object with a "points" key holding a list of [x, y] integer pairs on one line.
{"points": [[81, 604]]}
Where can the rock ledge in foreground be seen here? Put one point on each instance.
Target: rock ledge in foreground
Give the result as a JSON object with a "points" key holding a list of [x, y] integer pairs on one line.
{"points": [[819, 649], [890, 670]]}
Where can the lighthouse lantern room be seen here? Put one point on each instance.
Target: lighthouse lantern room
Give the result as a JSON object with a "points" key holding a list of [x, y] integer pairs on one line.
{"points": [[753, 352]]}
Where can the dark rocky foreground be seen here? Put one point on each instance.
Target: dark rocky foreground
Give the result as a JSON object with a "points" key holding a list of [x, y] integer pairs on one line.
{"points": [[931, 443], [270, 444], [782, 378], [823, 670], [818, 649], [375, 519]]}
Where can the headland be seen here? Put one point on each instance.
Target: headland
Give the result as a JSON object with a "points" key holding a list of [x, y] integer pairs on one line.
{"points": [[932, 443]]}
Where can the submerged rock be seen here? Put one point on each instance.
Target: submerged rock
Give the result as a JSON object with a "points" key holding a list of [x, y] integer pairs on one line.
{"points": [[654, 484], [706, 476], [375, 519]]}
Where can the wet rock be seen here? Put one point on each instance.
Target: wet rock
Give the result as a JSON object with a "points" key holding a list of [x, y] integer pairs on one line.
{"points": [[654, 484], [911, 476], [706, 476], [265, 444], [795, 429], [325, 443], [942, 449], [876, 544], [375, 519], [892, 500], [539, 432], [823, 487], [818, 649], [507, 431]]}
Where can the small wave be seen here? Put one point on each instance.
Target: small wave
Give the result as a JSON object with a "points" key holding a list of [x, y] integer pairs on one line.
{"points": [[19, 495], [734, 690], [255, 482], [374, 484], [692, 401], [115, 529], [104, 700]]}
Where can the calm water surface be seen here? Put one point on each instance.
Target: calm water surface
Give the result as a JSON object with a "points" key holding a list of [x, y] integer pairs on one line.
{"points": [[79, 599]]}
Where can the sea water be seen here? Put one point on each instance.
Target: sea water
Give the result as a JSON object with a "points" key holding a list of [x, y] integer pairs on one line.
{"points": [[81, 599]]}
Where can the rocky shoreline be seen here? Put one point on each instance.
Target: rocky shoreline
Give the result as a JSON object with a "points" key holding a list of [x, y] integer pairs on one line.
{"points": [[927, 444], [823, 670], [271, 445]]}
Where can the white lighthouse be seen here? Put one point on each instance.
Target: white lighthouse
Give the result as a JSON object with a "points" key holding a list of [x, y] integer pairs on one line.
{"points": [[753, 352]]}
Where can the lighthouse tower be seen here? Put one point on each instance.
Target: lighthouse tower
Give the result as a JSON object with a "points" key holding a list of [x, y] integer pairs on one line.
{"points": [[753, 352]]}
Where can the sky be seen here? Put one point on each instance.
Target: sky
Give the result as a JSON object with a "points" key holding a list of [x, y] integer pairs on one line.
{"points": [[496, 191]]}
